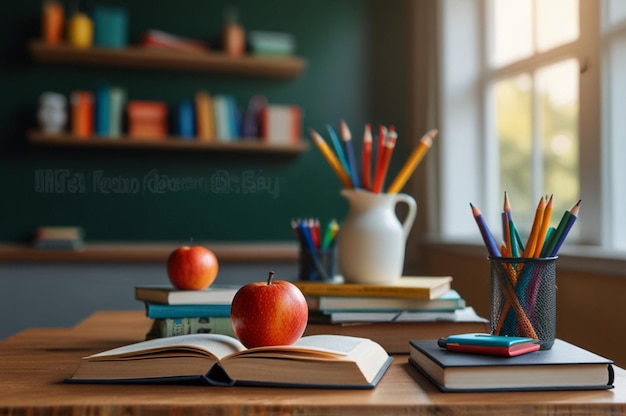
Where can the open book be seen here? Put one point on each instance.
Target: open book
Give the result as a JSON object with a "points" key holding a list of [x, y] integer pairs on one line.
{"points": [[323, 361]]}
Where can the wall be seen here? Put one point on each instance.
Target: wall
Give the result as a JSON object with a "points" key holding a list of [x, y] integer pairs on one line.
{"points": [[356, 53], [60, 294], [355, 72]]}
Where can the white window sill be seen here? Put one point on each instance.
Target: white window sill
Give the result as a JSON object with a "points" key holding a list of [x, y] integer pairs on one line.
{"points": [[571, 257]]}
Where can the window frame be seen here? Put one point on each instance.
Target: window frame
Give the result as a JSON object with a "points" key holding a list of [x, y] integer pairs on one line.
{"points": [[468, 145]]}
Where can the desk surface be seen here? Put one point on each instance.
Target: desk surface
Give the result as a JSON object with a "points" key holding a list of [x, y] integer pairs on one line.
{"points": [[34, 363]]}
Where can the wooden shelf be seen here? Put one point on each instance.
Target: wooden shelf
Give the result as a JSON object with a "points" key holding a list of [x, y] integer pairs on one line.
{"points": [[235, 252], [169, 143], [160, 58]]}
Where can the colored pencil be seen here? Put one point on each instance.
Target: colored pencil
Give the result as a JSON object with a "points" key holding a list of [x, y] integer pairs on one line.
{"points": [[331, 159], [545, 225], [412, 162], [380, 149], [366, 157], [490, 242], [346, 136], [381, 173], [561, 232], [536, 227], [338, 148]]}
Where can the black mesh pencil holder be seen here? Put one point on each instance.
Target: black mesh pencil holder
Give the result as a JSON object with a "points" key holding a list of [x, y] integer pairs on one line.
{"points": [[523, 298]]}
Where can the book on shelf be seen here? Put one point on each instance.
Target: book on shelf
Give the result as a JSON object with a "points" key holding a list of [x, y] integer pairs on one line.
{"points": [[394, 335], [169, 295], [205, 117], [449, 301], [324, 361], [102, 110], [158, 310], [117, 102], [222, 118], [59, 238], [281, 124], [171, 327], [563, 367], [186, 120], [271, 43], [147, 119], [82, 113], [406, 287], [162, 39]]}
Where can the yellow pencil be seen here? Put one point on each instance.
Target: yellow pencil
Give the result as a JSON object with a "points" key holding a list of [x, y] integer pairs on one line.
{"points": [[332, 160], [414, 159]]}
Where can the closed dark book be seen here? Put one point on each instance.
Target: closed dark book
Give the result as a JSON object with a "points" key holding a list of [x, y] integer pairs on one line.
{"points": [[563, 367]]}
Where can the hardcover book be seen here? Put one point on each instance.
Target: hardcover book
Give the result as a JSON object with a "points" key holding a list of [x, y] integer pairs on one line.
{"points": [[563, 367], [447, 302], [171, 327], [158, 310], [393, 333], [169, 295], [323, 361], [405, 287]]}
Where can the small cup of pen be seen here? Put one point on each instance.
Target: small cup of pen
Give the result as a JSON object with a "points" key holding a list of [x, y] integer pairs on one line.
{"points": [[318, 249]]}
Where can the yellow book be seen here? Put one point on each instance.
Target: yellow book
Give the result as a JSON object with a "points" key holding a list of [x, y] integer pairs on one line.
{"points": [[406, 287], [205, 117]]}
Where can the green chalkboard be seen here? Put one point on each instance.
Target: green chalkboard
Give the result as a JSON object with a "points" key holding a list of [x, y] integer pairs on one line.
{"points": [[151, 195]]}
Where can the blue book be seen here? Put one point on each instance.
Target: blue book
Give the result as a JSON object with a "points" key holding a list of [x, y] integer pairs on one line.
{"points": [[158, 311], [103, 110], [186, 120]]}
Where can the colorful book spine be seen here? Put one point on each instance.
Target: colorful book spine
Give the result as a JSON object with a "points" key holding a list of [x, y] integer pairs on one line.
{"points": [[155, 311], [281, 123], [170, 327], [186, 125], [117, 101], [82, 113], [205, 117], [103, 110]]}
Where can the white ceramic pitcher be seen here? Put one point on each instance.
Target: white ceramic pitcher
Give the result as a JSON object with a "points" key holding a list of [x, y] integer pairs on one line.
{"points": [[372, 240]]}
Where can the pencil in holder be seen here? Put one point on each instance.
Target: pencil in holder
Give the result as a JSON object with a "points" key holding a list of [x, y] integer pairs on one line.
{"points": [[317, 265], [523, 298]]}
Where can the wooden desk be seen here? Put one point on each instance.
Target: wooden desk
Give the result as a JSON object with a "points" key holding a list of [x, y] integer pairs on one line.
{"points": [[34, 363]]}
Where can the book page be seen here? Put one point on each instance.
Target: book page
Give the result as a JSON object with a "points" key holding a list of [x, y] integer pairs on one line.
{"points": [[214, 345], [323, 346]]}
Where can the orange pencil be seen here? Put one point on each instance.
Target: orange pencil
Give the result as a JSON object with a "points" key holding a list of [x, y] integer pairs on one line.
{"points": [[534, 231], [545, 224], [414, 159], [390, 143], [332, 160], [366, 157]]}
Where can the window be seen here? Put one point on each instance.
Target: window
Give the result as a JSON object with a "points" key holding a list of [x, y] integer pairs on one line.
{"points": [[532, 102]]}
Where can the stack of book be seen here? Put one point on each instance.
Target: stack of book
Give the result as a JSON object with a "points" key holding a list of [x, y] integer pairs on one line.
{"points": [[181, 312], [390, 314]]}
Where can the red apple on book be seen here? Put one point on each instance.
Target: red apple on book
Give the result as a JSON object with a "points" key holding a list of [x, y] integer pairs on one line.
{"points": [[192, 268], [269, 313]]}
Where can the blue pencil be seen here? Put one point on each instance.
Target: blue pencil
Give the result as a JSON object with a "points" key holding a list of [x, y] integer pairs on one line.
{"points": [[490, 242], [347, 141], [338, 148]]}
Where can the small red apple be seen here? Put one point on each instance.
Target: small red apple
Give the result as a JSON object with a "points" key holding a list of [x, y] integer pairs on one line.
{"points": [[192, 268], [269, 313]]}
